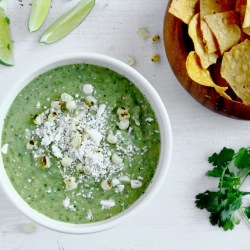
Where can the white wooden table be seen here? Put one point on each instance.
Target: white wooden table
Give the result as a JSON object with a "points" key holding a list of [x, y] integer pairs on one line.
{"points": [[171, 221]]}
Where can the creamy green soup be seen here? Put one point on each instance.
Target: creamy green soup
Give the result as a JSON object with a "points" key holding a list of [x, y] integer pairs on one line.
{"points": [[80, 143]]}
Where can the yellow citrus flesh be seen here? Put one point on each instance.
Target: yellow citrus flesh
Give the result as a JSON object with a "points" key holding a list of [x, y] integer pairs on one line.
{"points": [[6, 44], [67, 22], [38, 14]]}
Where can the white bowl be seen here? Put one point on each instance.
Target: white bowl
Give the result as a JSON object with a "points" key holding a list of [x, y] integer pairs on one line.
{"points": [[165, 134]]}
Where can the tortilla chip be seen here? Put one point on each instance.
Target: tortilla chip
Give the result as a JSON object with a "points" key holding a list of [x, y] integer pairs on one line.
{"points": [[183, 9], [196, 72], [195, 33], [225, 28], [200, 75], [209, 7], [235, 69], [208, 38], [246, 30], [241, 8], [246, 22]]}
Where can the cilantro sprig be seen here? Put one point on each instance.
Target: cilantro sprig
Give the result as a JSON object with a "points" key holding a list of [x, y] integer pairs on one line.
{"points": [[233, 169]]}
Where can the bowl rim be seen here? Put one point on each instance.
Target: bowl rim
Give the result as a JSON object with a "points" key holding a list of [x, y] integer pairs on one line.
{"points": [[164, 126]]}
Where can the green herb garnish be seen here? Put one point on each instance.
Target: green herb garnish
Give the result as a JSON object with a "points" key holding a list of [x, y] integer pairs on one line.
{"points": [[232, 168], [7, 20]]}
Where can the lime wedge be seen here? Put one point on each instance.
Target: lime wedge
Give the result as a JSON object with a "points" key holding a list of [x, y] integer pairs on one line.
{"points": [[67, 22], [38, 14], [6, 49]]}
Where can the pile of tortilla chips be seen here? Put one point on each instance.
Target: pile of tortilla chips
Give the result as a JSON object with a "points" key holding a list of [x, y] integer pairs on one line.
{"points": [[220, 31]]}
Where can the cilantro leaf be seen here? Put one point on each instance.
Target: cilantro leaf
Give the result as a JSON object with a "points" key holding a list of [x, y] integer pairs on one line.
{"points": [[244, 193], [235, 220], [230, 182], [235, 203], [216, 172], [221, 205], [232, 169], [242, 159], [222, 159], [228, 225], [208, 200], [215, 219], [247, 212]]}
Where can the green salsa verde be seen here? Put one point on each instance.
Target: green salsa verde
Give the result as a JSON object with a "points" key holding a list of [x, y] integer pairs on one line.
{"points": [[83, 143]]}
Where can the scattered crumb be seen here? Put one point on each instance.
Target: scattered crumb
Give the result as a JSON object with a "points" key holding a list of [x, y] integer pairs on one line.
{"points": [[155, 38], [155, 58], [143, 33], [29, 228], [131, 61]]}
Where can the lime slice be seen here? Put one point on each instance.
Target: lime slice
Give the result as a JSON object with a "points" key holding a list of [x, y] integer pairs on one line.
{"points": [[67, 22], [38, 14], [6, 49]]}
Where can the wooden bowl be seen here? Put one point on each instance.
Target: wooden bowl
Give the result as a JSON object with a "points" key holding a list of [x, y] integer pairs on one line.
{"points": [[177, 46]]}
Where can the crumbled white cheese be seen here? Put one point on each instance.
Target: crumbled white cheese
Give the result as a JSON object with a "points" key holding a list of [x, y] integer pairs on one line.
{"points": [[56, 151], [66, 97], [107, 204], [66, 202], [137, 123], [149, 119], [46, 140], [87, 88], [124, 178], [38, 105], [27, 134], [95, 135], [4, 149], [135, 184], [115, 182], [120, 188], [101, 109], [74, 137], [67, 205], [89, 215]]}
